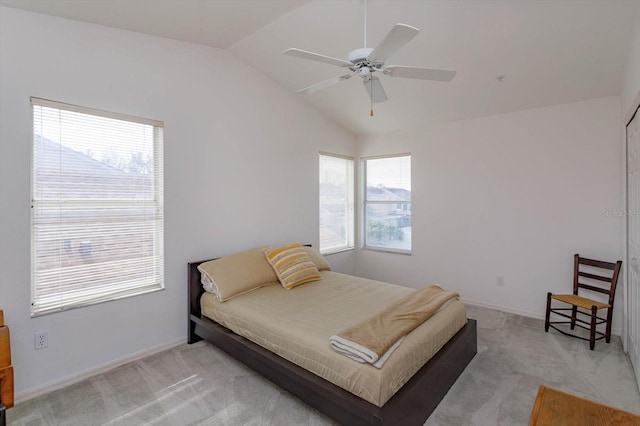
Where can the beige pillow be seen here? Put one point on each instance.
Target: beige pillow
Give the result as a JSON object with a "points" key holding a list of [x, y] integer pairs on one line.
{"points": [[238, 273], [317, 258], [292, 265]]}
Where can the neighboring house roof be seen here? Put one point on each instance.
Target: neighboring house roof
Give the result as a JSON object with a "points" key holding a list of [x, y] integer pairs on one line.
{"points": [[382, 193], [62, 172]]}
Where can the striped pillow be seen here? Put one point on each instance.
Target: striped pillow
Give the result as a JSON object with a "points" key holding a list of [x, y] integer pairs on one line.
{"points": [[292, 265]]}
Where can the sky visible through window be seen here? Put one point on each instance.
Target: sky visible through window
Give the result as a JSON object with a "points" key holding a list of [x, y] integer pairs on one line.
{"points": [[393, 172], [117, 143]]}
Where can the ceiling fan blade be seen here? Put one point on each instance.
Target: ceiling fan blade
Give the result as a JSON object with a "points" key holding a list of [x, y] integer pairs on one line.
{"points": [[317, 57], [420, 73], [324, 84], [399, 35], [375, 89]]}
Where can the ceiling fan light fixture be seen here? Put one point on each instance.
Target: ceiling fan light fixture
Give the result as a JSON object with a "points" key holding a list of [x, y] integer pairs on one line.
{"points": [[359, 55], [366, 61]]}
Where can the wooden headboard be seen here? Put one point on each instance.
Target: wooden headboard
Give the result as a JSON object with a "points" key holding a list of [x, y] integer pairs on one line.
{"points": [[195, 292]]}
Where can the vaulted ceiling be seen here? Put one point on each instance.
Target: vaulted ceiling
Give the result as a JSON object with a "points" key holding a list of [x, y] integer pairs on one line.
{"points": [[548, 52]]}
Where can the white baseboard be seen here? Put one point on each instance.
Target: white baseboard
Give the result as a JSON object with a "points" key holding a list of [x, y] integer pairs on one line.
{"points": [[503, 308], [615, 330], [75, 378]]}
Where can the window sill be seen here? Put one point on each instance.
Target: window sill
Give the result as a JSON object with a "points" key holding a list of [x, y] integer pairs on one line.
{"points": [[106, 299], [387, 250], [336, 251]]}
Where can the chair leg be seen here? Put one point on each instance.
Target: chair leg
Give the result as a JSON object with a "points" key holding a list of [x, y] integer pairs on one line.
{"points": [[574, 314], [546, 318], [609, 320], [592, 337]]}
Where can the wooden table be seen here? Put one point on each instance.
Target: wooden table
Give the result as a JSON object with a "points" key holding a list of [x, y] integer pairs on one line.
{"points": [[553, 407], [6, 370]]}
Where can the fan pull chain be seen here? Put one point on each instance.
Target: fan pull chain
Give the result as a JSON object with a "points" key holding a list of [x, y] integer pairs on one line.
{"points": [[371, 86]]}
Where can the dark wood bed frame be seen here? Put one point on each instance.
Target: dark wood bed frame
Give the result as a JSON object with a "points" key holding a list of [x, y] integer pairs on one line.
{"points": [[411, 405]]}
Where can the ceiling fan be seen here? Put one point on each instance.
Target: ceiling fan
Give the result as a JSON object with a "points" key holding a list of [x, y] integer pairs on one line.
{"points": [[366, 62]]}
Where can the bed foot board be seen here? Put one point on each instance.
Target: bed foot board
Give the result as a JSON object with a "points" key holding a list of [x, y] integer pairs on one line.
{"points": [[412, 405], [419, 397]]}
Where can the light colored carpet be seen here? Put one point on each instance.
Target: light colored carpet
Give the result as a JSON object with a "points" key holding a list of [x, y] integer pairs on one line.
{"points": [[200, 385]]}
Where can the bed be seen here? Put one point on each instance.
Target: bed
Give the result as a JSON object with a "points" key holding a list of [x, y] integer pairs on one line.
{"points": [[411, 404]]}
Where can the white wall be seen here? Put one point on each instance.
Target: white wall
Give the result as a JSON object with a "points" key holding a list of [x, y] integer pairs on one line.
{"points": [[631, 87], [241, 159], [515, 194]]}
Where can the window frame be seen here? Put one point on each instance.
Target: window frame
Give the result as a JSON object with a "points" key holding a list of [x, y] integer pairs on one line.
{"points": [[156, 203], [364, 203], [350, 205]]}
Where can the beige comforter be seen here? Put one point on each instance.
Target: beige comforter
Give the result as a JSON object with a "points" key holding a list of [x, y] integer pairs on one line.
{"points": [[296, 324]]}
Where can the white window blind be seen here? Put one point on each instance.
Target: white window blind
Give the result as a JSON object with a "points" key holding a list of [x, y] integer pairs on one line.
{"points": [[336, 203], [387, 203], [97, 206]]}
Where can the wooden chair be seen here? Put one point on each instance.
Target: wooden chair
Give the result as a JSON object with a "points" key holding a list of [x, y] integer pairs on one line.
{"points": [[589, 281]]}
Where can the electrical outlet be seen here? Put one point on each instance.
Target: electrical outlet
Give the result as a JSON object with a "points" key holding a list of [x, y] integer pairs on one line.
{"points": [[41, 340], [500, 281]]}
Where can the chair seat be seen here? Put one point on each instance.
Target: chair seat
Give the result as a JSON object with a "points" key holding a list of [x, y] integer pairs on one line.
{"points": [[582, 302]]}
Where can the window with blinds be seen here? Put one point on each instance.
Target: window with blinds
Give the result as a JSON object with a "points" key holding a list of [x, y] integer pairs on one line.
{"points": [[336, 203], [97, 206], [387, 203]]}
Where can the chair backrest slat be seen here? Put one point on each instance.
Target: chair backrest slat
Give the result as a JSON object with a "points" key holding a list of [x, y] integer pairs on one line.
{"points": [[612, 281], [594, 288], [597, 263], [595, 277]]}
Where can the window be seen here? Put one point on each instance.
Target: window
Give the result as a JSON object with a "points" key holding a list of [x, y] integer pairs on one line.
{"points": [[336, 203], [387, 203], [97, 207]]}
